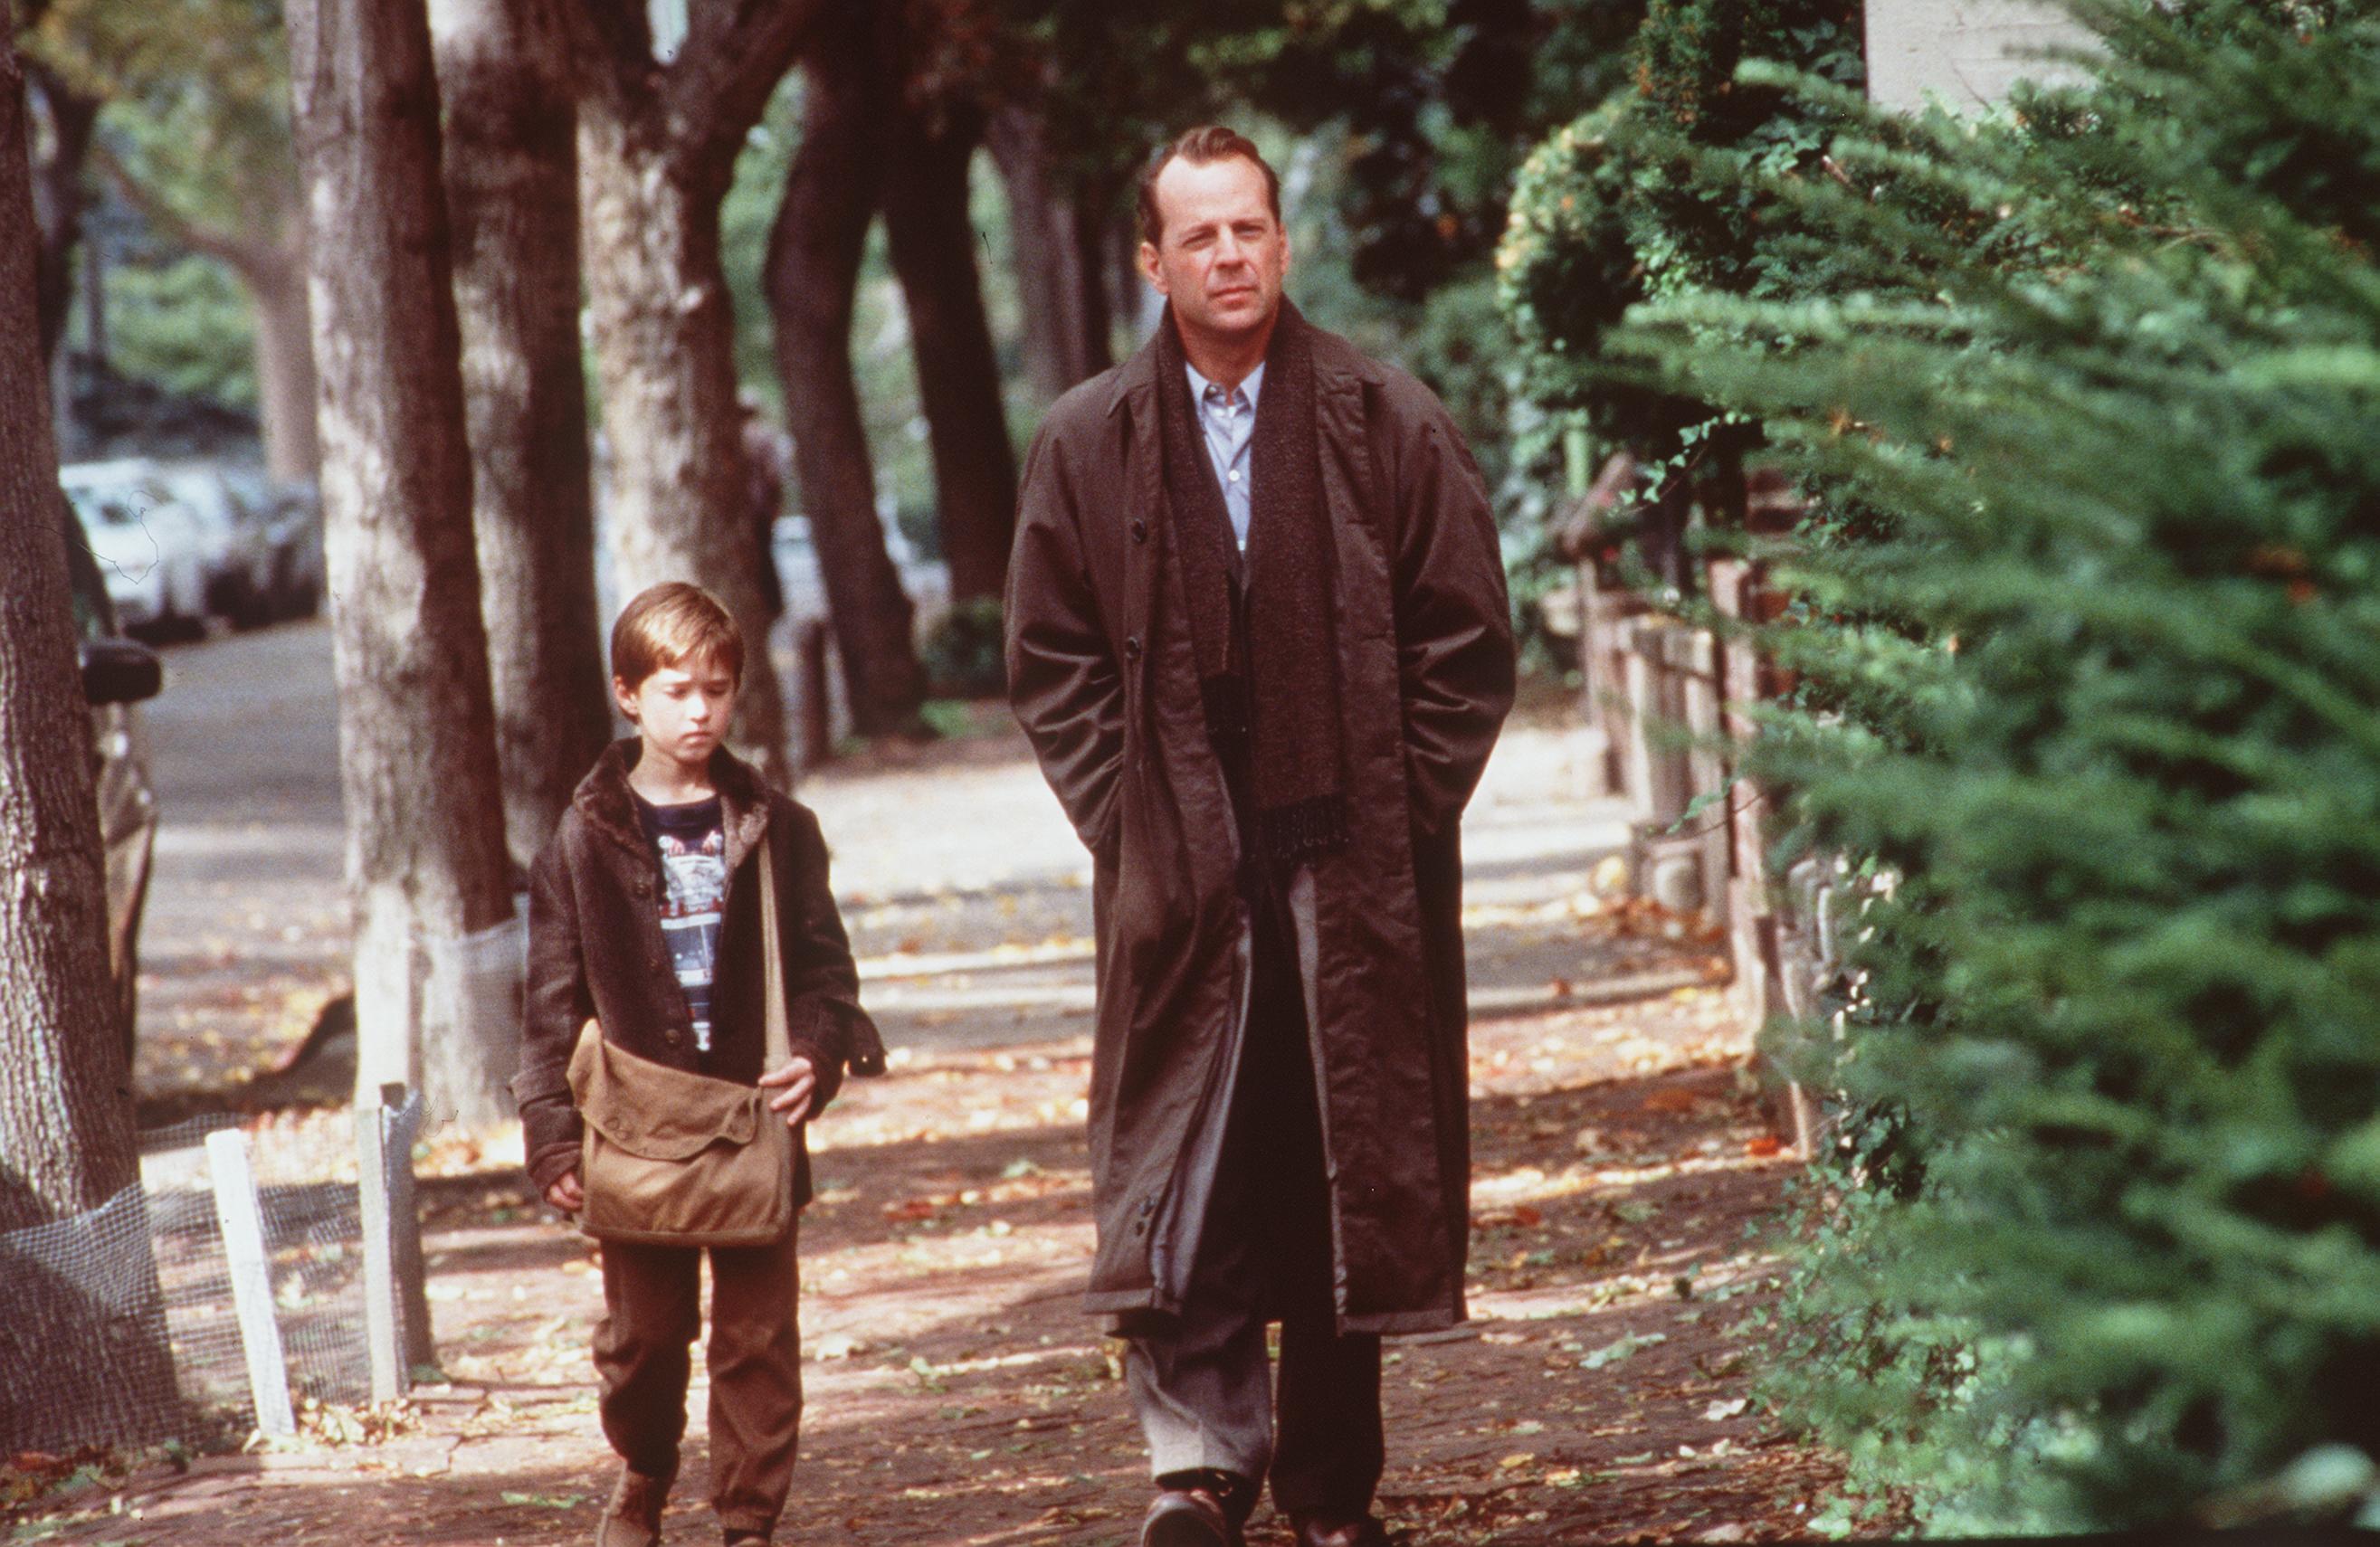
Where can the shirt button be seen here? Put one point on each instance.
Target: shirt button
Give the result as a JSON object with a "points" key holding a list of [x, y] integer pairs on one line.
{"points": [[1235, 475]]}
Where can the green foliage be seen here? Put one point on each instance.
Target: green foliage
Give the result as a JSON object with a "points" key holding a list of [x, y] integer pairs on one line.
{"points": [[1675, 184], [185, 324], [2087, 632]]}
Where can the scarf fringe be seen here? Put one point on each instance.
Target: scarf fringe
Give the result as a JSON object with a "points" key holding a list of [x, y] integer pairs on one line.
{"points": [[1296, 833]]}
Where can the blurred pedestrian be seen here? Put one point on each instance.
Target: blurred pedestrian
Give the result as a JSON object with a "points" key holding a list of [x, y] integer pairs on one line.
{"points": [[1258, 633], [764, 495]]}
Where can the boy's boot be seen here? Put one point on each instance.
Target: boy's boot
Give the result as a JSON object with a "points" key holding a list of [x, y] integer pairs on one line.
{"points": [[633, 1517]]}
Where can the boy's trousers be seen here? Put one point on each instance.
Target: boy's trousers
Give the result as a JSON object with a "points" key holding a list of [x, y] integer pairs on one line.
{"points": [[1202, 1389], [652, 1311]]}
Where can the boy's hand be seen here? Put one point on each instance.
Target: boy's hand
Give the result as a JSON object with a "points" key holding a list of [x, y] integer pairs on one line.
{"points": [[797, 1080], [565, 1194]]}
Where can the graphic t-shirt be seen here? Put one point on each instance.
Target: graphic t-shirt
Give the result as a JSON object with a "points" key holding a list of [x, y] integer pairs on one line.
{"points": [[693, 847]]}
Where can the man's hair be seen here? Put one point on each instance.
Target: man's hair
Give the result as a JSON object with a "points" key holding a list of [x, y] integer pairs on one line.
{"points": [[1208, 142], [672, 624]]}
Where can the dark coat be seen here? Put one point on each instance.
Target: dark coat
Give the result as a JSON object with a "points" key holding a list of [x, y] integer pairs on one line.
{"points": [[1102, 677], [595, 948]]}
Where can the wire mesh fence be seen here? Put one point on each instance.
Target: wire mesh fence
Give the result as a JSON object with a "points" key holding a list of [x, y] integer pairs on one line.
{"points": [[165, 1278]]}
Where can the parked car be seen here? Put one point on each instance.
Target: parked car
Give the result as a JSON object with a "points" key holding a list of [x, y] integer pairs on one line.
{"points": [[118, 673], [293, 531], [236, 541], [147, 546]]}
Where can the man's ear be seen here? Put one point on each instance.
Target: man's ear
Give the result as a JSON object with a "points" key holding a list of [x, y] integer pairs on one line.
{"points": [[1150, 270]]}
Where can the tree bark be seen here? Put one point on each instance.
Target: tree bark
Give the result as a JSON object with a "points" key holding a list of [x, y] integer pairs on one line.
{"points": [[932, 238], [78, 1367], [1090, 200], [657, 147], [1048, 258], [813, 269], [286, 389], [417, 727], [512, 194], [59, 197]]}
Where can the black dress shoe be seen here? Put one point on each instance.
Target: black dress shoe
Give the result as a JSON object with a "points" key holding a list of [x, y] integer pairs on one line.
{"points": [[1316, 1531], [1188, 1517]]}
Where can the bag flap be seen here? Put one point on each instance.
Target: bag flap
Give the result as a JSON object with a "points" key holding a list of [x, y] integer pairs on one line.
{"points": [[653, 1110]]}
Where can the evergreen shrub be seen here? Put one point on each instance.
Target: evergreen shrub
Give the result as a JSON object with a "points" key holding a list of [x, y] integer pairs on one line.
{"points": [[2089, 640]]}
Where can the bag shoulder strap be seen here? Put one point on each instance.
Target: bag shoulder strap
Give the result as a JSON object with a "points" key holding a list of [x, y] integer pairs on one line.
{"points": [[779, 1045]]}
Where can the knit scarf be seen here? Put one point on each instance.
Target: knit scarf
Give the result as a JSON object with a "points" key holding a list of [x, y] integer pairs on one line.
{"points": [[1262, 629]]}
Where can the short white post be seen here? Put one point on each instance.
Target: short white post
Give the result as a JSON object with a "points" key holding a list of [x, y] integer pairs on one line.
{"points": [[251, 1279], [381, 1334]]}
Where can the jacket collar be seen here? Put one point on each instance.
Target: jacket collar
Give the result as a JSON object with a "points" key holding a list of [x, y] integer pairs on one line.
{"points": [[1337, 364], [604, 800]]}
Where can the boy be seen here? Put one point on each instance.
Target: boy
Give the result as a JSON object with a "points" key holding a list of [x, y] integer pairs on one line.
{"points": [[645, 914]]}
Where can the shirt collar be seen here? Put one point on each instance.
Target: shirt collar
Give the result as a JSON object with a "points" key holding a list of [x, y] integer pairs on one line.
{"points": [[1252, 384]]}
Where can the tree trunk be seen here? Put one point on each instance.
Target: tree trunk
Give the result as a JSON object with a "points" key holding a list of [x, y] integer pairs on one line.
{"points": [[286, 389], [83, 1366], [932, 239], [1089, 202], [417, 727], [1138, 305], [512, 194], [58, 197], [1058, 339], [813, 269], [657, 149], [270, 264]]}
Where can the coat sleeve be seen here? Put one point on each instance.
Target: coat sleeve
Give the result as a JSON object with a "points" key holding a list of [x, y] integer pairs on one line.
{"points": [[1454, 625], [824, 1023], [558, 1003], [1063, 677]]}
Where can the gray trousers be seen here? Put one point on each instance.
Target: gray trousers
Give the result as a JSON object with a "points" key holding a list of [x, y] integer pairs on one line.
{"points": [[1203, 1388]]}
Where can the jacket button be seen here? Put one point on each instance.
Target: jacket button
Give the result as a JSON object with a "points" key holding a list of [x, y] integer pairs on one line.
{"points": [[1140, 531], [1132, 647], [671, 1036]]}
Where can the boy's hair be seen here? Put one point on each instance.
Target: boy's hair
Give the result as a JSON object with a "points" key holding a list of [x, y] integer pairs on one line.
{"points": [[1208, 142], [668, 624]]}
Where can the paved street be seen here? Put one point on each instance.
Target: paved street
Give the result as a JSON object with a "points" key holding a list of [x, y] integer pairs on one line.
{"points": [[966, 891]]}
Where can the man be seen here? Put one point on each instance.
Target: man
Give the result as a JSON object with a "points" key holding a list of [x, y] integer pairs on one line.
{"points": [[1258, 636]]}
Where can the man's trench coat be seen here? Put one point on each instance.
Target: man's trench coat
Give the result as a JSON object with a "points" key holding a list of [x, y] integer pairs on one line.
{"points": [[1102, 677]]}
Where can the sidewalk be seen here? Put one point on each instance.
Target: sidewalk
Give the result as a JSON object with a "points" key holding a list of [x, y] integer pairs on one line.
{"points": [[956, 1393]]}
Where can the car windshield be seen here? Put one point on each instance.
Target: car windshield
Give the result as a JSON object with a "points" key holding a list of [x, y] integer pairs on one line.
{"points": [[118, 503]]}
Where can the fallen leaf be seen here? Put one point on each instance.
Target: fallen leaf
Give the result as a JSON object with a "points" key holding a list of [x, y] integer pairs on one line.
{"points": [[1765, 1146], [1613, 1353]]}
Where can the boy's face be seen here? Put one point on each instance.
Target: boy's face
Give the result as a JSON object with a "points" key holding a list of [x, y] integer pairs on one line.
{"points": [[682, 710]]}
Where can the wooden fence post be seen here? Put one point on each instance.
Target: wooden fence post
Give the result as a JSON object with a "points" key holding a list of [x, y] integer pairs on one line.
{"points": [[242, 1223], [397, 1300]]}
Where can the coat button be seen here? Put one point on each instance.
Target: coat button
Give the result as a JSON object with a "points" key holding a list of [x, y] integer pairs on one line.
{"points": [[1132, 647], [671, 1036], [1140, 531]]}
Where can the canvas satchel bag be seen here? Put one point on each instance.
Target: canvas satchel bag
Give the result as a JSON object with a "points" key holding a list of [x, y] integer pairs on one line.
{"points": [[672, 1158]]}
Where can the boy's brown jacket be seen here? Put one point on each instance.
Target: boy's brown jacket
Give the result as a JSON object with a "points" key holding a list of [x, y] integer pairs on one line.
{"points": [[595, 948]]}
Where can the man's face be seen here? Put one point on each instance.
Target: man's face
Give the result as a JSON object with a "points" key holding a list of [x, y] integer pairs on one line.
{"points": [[1221, 255]]}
